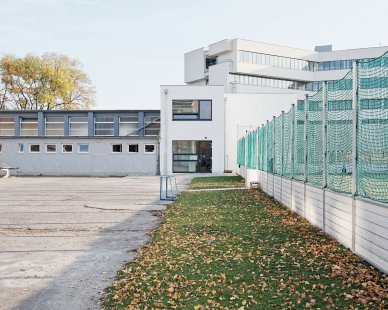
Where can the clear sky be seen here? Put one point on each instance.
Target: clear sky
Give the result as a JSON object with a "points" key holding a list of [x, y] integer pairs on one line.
{"points": [[129, 47]]}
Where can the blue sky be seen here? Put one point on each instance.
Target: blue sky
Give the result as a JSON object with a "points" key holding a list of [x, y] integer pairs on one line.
{"points": [[128, 48]]}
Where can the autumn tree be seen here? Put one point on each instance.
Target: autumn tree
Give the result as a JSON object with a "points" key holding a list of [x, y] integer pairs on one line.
{"points": [[49, 82]]}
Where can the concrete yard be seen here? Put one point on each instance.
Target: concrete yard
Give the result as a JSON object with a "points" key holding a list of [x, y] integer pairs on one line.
{"points": [[63, 239]]}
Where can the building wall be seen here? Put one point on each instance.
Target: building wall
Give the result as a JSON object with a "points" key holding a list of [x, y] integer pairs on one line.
{"points": [[192, 130], [248, 111], [100, 161], [194, 65]]}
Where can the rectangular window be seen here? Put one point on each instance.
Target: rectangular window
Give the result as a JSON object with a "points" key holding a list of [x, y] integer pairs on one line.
{"points": [[104, 126], [129, 125], [67, 148], [21, 147], [51, 148], [1, 148], [191, 109], [28, 126], [133, 148], [54, 126], [34, 148], [7, 126], [152, 125], [191, 156], [83, 148], [149, 148], [78, 126], [117, 148]]}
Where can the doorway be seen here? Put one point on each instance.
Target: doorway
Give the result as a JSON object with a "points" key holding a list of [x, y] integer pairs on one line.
{"points": [[192, 156]]}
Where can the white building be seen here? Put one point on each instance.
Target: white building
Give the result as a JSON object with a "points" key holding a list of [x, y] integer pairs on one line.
{"points": [[258, 81]]}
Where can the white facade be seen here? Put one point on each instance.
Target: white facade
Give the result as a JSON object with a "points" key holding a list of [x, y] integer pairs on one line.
{"points": [[261, 80], [192, 130]]}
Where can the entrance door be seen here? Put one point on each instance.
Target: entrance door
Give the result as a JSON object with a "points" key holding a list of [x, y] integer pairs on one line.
{"points": [[191, 156]]}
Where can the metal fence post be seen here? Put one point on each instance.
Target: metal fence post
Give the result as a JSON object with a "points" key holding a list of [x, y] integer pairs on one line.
{"points": [[273, 156], [282, 145], [292, 140], [305, 153], [354, 151], [324, 152]]}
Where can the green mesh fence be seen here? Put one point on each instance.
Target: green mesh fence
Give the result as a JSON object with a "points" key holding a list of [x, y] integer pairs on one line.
{"points": [[314, 139], [339, 119], [241, 152], [372, 129], [287, 144], [299, 147], [269, 146], [277, 123], [280, 147]]}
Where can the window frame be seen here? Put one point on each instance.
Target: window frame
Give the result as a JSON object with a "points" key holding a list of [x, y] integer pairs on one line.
{"points": [[149, 153], [78, 122], [33, 152], [47, 152], [129, 152], [198, 113], [72, 148], [113, 152], [79, 148], [62, 129], [105, 122], [1, 148], [12, 130]]}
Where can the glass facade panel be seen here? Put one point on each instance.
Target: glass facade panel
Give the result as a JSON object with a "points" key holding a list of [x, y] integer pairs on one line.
{"points": [[28, 127], [54, 126], [152, 123], [129, 125], [78, 126], [104, 126], [7, 126]]}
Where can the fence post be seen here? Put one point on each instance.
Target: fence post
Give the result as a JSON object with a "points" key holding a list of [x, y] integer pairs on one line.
{"points": [[306, 103], [282, 145], [324, 152], [354, 151], [273, 156], [292, 140], [266, 153]]}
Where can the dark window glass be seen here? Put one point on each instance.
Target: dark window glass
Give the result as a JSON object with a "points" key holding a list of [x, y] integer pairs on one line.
{"points": [[133, 148], [35, 148], [51, 148], [149, 148], [117, 148], [67, 148]]}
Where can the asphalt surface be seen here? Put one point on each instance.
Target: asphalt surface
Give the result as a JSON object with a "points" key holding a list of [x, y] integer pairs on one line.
{"points": [[63, 239]]}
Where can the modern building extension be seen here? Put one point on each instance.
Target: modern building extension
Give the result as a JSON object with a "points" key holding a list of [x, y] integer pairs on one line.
{"points": [[259, 80], [80, 143]]}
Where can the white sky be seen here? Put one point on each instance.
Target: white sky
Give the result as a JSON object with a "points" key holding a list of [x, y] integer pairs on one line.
{"points": [[130, 47]]}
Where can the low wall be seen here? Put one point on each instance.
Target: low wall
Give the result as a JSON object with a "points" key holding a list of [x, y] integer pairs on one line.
{"points": [[358, 224]]}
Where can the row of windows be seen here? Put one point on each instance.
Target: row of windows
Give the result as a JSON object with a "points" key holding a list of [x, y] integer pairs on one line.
{"points": [[78, 126], [276, 83], [83, 148], [277, 61], [293, 63]]}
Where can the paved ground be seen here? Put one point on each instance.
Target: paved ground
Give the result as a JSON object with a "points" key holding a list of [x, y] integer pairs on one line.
{"points": [[63, 239]]}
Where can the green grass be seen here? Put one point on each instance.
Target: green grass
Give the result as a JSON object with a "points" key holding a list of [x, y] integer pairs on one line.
{"points": [[240, 249], [217, 182]]}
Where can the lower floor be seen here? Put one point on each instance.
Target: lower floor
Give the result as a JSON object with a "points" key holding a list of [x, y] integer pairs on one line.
{"points": [[91, 156]]}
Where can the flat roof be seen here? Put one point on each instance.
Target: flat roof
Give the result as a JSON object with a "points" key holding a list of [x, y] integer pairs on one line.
{"points": [[76, 111]]}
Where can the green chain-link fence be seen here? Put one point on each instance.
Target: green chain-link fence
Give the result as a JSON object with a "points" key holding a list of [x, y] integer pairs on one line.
{"points": [[282, 145]]}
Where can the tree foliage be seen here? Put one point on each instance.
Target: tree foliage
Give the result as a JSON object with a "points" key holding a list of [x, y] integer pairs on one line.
{"points": [[49, 82]]}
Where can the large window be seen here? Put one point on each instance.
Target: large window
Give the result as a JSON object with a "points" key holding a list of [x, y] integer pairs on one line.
{"points": [[78, 126], [191, 156], [104, 126], [54, 126], [192, 109], [28, 126], [152, 125], [129, 125], [7, 126]]}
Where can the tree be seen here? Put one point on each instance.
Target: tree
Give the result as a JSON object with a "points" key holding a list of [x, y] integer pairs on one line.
{"points": [[50, 82]]}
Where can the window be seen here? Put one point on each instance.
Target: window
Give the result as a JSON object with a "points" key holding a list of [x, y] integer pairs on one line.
{"points": [[21, 147], [78, 126], [54, 126], [104, 126], [67, 148], [117, 148], [51, 148], [129, 125], [7, 126], [83, 148], [133, 148], [192, 109], [34, 148], [28, 126], [1, 148], [149, 148], [152, 125]]}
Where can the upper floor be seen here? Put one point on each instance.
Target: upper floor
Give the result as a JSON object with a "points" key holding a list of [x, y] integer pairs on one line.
{"points": [[244, 66], [80, 123]]}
